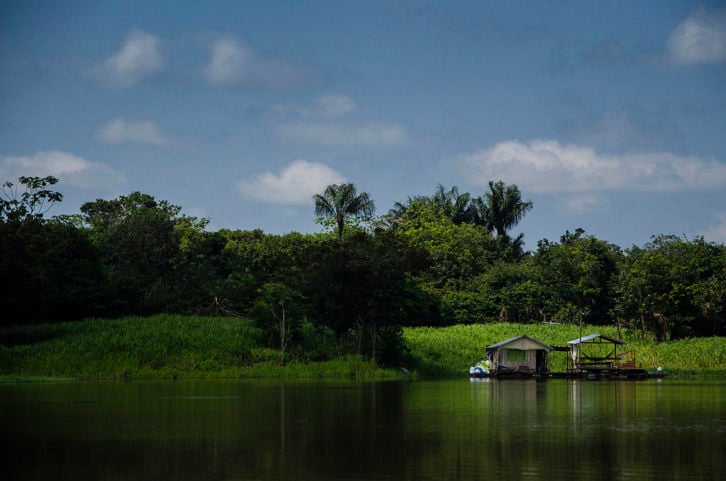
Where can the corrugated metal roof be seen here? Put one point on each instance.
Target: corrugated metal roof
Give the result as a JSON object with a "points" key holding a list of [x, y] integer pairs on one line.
{"points": [[595, 336], [496, 346]]}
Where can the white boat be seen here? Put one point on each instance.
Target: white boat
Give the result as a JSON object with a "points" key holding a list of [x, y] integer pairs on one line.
{"points": [[480, 369]]}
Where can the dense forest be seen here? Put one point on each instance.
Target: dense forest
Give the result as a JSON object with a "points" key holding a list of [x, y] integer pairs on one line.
{"points": [[439, 260]]}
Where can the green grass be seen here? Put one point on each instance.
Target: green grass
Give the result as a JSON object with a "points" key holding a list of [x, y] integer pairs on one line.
{"points": [[169, 347], [450, 351], [162, 346]]}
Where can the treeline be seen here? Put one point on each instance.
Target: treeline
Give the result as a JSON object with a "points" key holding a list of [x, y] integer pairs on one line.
{"points": [[433, 260]]}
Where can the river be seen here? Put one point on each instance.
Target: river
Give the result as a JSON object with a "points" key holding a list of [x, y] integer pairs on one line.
{"points": [[422, 430]]}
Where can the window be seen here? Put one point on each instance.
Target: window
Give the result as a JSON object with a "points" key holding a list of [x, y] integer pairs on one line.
{"points": [[515, 355]]}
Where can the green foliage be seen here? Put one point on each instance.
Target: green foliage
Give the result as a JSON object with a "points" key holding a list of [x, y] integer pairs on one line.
{"points": [[502, 207], [363, 284], [515, 290], [162, 346], [128, 347], [342, 201], [450, 351], [579, 271], [315, 344], [435, 260], [137, 241], [458, 252], [31, 204], [673, 288], [278, 311]]}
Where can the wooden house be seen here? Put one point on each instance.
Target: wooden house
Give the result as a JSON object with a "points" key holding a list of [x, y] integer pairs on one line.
{"points": [[521, 355], [600, 355]]}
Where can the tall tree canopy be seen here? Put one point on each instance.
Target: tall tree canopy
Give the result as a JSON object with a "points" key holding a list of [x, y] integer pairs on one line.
{"points": [[137, 239], [342, 201], [502, 207], [32, 203]]}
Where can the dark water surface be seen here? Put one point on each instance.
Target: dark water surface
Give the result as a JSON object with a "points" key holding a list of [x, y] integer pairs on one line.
{"points": [[428, 430]]}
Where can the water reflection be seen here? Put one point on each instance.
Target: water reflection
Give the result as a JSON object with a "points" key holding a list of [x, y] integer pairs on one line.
{"points": [[560, 429]]}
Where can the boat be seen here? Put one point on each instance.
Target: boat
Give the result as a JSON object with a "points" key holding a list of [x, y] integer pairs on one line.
{"points": [[480, 369]]}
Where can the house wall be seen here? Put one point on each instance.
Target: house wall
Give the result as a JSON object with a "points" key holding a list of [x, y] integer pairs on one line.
{"points": [[501, 357]]}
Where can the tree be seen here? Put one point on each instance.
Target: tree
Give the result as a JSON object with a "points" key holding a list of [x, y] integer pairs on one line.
{"points": [[49, 269], [578, 276], [364, 288], [515, 290], [32, 203], [283, 306], [502, 207], [454, 205], [674, 288], [341, 201], [450, 203], [137, 240]]}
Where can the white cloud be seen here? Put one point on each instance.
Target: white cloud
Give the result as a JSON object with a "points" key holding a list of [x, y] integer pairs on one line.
{"points": [[70, 169], [324, 107], [717, 232], [335, 105], [121, 131], [700, 39], [138, 57], [375, 134], [583, 203], [295, 184], [234, 62], [547, 166]]}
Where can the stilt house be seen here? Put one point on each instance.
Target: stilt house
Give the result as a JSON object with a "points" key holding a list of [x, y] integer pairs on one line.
{"points": [[521, 355]]}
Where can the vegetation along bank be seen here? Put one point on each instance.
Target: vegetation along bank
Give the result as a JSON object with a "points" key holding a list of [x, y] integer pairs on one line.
{"points": [[169, 346], [163, 295]]}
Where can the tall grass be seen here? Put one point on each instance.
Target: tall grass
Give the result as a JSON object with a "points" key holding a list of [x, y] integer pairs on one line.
{"points": [[449, 351], [162, 346], [167, 346]]}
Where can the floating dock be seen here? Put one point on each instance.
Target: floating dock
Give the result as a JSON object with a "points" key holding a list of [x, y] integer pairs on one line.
{"points": [[594, 356], [634, 374]]}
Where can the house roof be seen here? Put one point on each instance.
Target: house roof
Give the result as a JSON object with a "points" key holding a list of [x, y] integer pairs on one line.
{"points": [[595, 336], [521, 342]]}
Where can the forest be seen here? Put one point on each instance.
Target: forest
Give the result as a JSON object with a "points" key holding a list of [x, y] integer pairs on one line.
{"points": [[432, 260]]}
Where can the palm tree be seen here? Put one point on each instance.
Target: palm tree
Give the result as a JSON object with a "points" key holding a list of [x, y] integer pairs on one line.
{"points": [[340, 201], [502, 207], [455, 206], [450, 203]]}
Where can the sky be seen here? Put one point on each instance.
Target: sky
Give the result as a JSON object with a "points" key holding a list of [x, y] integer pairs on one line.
{"points": [[609, 116]]}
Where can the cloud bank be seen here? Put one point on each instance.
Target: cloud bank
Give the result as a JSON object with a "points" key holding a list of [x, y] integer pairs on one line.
{"points": [[334, 105], [139, 57], [717, 231], [295, 184], [235, 62], [120, 131], [329, 121], [699, 39], [336, 134], [70, 169], [548, 166]]}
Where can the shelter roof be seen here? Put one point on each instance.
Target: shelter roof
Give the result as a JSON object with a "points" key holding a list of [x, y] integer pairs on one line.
{"points": [[595, 336], [521, 342]]}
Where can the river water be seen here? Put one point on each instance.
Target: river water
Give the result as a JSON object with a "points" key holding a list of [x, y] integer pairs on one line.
{"points": [[423, 430]]}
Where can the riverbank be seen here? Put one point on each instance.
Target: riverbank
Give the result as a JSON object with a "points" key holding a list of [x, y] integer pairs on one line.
{"points": [[450, 351], [159, 347], [174, 347]]}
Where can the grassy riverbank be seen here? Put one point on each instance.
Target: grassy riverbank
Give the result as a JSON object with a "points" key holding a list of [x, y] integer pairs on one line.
{"points": [[170, 347], [158, 347], [451, 350]]}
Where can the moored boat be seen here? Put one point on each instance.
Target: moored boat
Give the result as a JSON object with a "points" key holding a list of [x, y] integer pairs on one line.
{"points": [[480, 369]]}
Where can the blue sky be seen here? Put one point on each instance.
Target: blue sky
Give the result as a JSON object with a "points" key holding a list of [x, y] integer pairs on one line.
{"points": [[610, 116]]}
